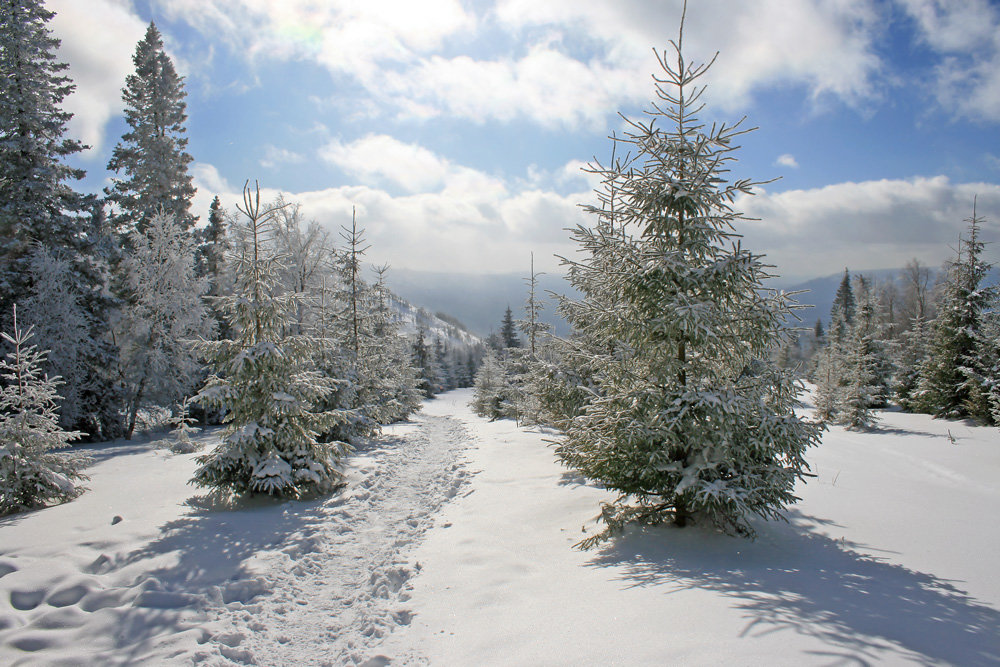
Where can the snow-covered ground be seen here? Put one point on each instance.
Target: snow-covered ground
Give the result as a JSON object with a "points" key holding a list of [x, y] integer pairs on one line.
{"points": [[452, 545]]}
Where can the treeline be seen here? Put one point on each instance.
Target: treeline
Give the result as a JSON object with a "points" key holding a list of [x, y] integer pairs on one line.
{"points": [[118, 304], [940, 357]]}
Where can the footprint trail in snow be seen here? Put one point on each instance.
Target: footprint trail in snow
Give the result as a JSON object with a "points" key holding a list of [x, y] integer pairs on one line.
{"points": [[339, 584]]}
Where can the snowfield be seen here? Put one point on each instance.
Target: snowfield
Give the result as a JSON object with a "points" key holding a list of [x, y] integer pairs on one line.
{"points": [[452, 545]]}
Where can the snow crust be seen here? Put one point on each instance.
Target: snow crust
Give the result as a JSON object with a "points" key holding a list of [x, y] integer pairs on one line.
{"points": [[452, 545]]}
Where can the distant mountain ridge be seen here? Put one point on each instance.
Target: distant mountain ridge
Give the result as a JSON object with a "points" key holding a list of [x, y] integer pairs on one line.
{"points": [[479, 301]]}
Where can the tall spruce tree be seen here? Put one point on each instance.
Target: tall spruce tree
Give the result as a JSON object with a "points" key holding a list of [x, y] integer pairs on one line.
{"points": [[150, 161], [40, 213], [689, 419], [210, 261], [842, 310], [508, 330], [865, 380], [36, 200]]}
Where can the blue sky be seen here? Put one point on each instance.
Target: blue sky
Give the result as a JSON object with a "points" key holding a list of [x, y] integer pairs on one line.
{"points": [[458, 128]]}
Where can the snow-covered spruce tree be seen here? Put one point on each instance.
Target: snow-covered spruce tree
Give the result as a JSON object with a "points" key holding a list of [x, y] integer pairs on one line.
{"points": [[842, 310], [264, 381], [150, 161], [865, 374], [161, 314], [532, 364], [908, 353], [31, 475], [38, 205], [210, 260], [690, 419], [532, 326], [428, 372], [55, 312], [386, 355], [950, 378], [35, 197], [491, 396], [508, 330]]}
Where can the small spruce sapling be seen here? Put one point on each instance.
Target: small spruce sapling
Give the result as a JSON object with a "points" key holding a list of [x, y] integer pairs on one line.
{"points": [[264, 380], [31, 475]]}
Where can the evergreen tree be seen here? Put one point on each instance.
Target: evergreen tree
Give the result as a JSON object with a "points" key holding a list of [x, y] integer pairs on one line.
{"points": [[951, 377], [491, 397], [264, 381], [161, 314], [210, 261], [531, 325], [508, 330], [150, 161], [865, 380], [36, 202], [428, 373], [842, 310], [55, 312], [30, 474], [828, 374], [909, 351], [690, 417], [38, 206], [387, 360]]}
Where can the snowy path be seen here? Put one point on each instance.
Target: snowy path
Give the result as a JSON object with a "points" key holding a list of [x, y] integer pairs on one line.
{"points": [[338, 584]]}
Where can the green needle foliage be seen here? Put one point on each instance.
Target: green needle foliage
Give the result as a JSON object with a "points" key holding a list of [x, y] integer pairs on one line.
{"points": [[686, 417]]}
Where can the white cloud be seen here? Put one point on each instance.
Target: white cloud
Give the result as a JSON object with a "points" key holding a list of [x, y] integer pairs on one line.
{"points": [[545, 86], [347, 36], [476, 223], [409, 56], [967, 35], [98, 40], [827, 46], [275, 156], [379, 158], [461, 218], [868, 225], [787, 160]]}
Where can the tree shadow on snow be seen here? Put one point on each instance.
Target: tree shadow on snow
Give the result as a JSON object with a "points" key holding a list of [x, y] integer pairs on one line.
{"points": [[795, 578]]}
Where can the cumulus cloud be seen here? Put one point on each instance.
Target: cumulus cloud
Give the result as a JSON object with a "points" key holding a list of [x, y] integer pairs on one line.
{"points": [[462, 219], [787, 160], [379, 158], [829, 47], [98, 40], [867, 225]]}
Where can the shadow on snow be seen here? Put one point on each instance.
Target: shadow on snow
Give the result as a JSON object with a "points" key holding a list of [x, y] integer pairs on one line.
{"points": [[795, 578]]}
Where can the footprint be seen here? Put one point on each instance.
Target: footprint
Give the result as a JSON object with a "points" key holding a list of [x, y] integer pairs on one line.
{"points": [[95, 600], [60, 619], [67, 596], [26, 600], [6, 567], [31, 644]]}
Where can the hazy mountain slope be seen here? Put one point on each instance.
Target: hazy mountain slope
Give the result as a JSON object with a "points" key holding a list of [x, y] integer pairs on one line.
{"points": [[478, 301]]}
